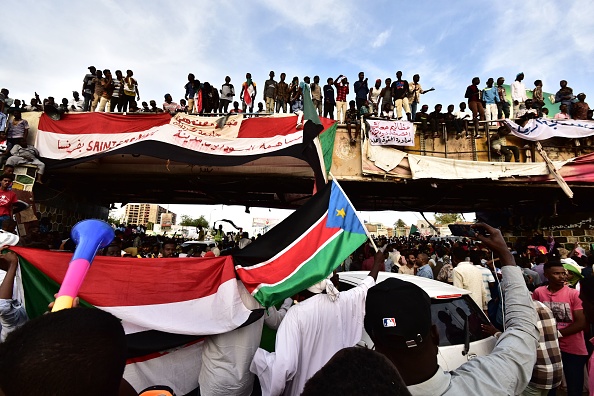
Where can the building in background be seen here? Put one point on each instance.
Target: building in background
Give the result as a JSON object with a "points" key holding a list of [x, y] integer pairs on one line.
{"points": [[377, 230], [142, 214]]}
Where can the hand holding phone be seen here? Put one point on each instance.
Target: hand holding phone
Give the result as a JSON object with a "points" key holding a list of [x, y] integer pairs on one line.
{"points": [[464, 230]]}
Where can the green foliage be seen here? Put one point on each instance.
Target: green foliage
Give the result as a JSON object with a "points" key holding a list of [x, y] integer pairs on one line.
{"points": [[400, 224], [447, 218], [114, 220], [189, 221]]}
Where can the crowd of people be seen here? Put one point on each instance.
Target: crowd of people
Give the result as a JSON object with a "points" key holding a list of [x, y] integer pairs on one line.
{"points": [[538, 296], [541, 341], [544, 295], [395, 99]]}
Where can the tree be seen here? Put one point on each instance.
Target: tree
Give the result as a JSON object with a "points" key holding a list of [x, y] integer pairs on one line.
{"points": [[447, 218], [189, 221], [114, 220], [400, 224]]}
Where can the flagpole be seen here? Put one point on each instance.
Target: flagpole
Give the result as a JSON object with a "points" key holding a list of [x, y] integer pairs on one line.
{"points": [[356, 213]]}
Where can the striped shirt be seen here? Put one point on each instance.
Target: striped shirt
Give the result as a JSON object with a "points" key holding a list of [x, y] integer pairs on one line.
{"points": [[117, 87], [487, 278]]}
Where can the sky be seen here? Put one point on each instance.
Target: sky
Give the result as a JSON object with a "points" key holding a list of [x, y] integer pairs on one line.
{"points": [[47, 46]]}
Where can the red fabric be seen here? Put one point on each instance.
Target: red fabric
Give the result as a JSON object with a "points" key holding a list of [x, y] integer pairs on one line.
{"points": [[368, 264], [198, 103], [115, 281], [298, 253], [75, 124], [7, 199], [579, 170], [263, 127], [246, 95], [341, 93]]}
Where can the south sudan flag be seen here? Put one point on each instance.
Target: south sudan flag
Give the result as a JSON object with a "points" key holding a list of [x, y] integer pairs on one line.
{"points": [[302, 250]]}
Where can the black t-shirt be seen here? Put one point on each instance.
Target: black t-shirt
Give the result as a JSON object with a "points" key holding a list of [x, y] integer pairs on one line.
{"points": [[400, 89], [421, 116], [437, 116], [329, 93]]}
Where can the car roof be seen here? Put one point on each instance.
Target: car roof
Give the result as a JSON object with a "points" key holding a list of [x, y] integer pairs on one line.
{"points": [[432, 287]]}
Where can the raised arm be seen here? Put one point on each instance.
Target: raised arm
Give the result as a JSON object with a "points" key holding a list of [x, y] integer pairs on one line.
{"points": [[515, 351], [10, 263], [378, 263]]}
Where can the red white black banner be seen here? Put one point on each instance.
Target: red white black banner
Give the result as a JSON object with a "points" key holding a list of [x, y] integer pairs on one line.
{"points": [[78, 136]]}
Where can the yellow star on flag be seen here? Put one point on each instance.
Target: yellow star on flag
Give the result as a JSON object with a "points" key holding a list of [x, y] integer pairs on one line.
{"points": [[340, 212]]}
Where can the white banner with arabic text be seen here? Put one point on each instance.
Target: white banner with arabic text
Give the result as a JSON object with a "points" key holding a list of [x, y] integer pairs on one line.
{"points": [[542, 128], [65, 146], [391, 133]]}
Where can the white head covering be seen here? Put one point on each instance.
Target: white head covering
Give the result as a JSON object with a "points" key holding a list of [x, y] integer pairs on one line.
{"points": [[325, 285], [8, 239]]}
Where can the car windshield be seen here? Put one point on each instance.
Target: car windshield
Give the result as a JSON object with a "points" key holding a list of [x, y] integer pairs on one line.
{"points": [[195, 247], [449, 316]]}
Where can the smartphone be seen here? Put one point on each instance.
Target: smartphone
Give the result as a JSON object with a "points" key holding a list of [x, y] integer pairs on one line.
{"points": [[463, 230]]}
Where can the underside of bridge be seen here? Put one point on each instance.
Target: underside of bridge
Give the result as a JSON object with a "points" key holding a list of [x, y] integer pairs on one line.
{"points": [[288, 183]]}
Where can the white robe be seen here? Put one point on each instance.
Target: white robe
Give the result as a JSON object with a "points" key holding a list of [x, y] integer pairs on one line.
{"points": [[310, 334], [226, 357]]}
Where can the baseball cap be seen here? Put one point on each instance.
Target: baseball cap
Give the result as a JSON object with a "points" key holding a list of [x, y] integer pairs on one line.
{"points": [[399, 310]]}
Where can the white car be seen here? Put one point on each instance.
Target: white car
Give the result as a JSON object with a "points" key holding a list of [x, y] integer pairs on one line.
{"points": [[195, 246], [456, 315]]}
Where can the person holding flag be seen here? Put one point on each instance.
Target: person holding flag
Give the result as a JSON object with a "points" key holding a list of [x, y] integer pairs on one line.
{"points": [[248, 93], [322, 323], [325, 231]]}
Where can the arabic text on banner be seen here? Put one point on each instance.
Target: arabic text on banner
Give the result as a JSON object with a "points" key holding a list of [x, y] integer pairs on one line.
{"points": [[542, 129], [391, 133]]}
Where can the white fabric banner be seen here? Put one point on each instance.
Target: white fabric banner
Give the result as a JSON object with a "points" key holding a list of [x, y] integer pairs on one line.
{"points": [[397, 133], [65, 146], [385, 158], [542, 128], [425, 167]]}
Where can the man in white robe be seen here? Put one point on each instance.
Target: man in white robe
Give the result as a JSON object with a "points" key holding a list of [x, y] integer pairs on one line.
{"points": [[311, 333]]}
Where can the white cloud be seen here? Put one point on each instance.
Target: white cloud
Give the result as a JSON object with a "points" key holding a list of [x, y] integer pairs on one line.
{"points": [[381, 38], [163, 42]]}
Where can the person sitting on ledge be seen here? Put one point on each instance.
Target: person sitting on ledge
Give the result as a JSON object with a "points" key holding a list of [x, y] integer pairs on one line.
{"points": [[352, 120], [236, 108], [154, 108], [23, 154], [170, 106], [423, 118], [526, 112], [436, 118], [499, 145]]}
